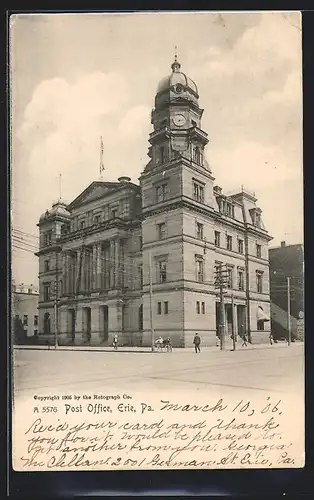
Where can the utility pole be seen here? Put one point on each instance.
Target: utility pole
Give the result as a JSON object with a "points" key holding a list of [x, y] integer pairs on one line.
{"points": [[233, 329], [219, 283], [56, 304], [151, 299], [289, 317]]}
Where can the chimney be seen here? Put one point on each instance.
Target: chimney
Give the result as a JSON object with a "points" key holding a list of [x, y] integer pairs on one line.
{"points": [[283, 244]]}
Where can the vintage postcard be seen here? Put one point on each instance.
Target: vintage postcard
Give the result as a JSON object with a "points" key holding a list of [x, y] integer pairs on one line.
{"points": [[157, 241]]}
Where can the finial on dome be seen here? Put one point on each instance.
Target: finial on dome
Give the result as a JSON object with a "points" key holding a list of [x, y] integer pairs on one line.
{"points": [[175, 65]]}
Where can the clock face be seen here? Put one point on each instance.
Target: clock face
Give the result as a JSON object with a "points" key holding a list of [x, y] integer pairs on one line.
{"points": [[179, 120], [178, 88]]}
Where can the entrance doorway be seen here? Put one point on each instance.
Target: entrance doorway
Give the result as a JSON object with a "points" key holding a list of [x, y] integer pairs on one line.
{"points": [[104, 323], [87, 321], [71, 324], [241, 320], [228, 318]]}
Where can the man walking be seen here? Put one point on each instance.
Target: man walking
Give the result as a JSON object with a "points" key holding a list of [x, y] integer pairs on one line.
{"points": [[197, 342], [244, 338]]}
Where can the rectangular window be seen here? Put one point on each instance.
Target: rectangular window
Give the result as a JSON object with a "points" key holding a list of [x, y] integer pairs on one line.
{"points": [[141, 242], [199, 270], [46, 292], [46, 265], [229, 242], [198, 307], [260, 325], [97, 219], [259, 282], [166, 307], [217, 239], [240, 246], [162, 265], [35, 332], [240, 279], [257, 220], [82, 224], [198, 192], [161, 231], [35, 320], [25, 320], [161, 192], [140, 271], [218, 273], [199, 230], [229, 277], [48, 238], [258, 251], [114, 213], [203, 307], [159, 308]]}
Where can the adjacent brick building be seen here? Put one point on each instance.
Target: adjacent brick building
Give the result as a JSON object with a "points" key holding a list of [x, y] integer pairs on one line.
{"points": [[118, 241]]}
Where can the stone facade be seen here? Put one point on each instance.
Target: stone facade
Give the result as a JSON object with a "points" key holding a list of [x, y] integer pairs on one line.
{"points": [[130, 257]]}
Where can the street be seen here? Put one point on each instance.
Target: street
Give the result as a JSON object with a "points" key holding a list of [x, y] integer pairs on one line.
{"points": [[255, 369]]}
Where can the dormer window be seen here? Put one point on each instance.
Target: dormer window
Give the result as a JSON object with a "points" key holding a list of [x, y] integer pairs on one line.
{"points": [[197, 155]]}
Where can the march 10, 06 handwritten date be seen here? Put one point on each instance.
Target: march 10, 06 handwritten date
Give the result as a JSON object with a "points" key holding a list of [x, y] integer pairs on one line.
{"points": [[129, 433]]}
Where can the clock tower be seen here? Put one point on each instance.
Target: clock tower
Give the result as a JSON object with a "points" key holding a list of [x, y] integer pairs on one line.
{"points": [[177, 184]]}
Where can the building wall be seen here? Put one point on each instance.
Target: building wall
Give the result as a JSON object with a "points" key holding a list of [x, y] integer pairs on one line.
{"points": [[286, 261], [26, 305]]}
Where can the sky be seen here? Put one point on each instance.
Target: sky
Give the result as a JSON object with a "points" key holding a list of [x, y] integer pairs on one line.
{"points": [[76, 77]]}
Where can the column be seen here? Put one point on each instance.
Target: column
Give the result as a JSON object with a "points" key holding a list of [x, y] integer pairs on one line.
{"points": [[117, 263], [94, 267], [69, 278], [98, 266], [83, 270], [121, 263], [112, 264], [63, 273]]}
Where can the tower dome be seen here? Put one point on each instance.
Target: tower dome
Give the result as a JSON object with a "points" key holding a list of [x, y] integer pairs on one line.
{"points": [[59, 208], [177, 78]]}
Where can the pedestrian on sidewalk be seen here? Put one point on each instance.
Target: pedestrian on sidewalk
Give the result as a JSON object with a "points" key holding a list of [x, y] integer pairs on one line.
{"points": [[244, 338], [197, 342], [115, 342], [271, 339]]}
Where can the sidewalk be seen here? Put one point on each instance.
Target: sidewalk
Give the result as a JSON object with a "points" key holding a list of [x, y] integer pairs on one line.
{"points": [[141, 350]]}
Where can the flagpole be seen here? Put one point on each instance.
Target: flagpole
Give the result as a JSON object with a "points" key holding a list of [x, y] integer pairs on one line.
{"points": [[101, 166], [60, 179]]}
